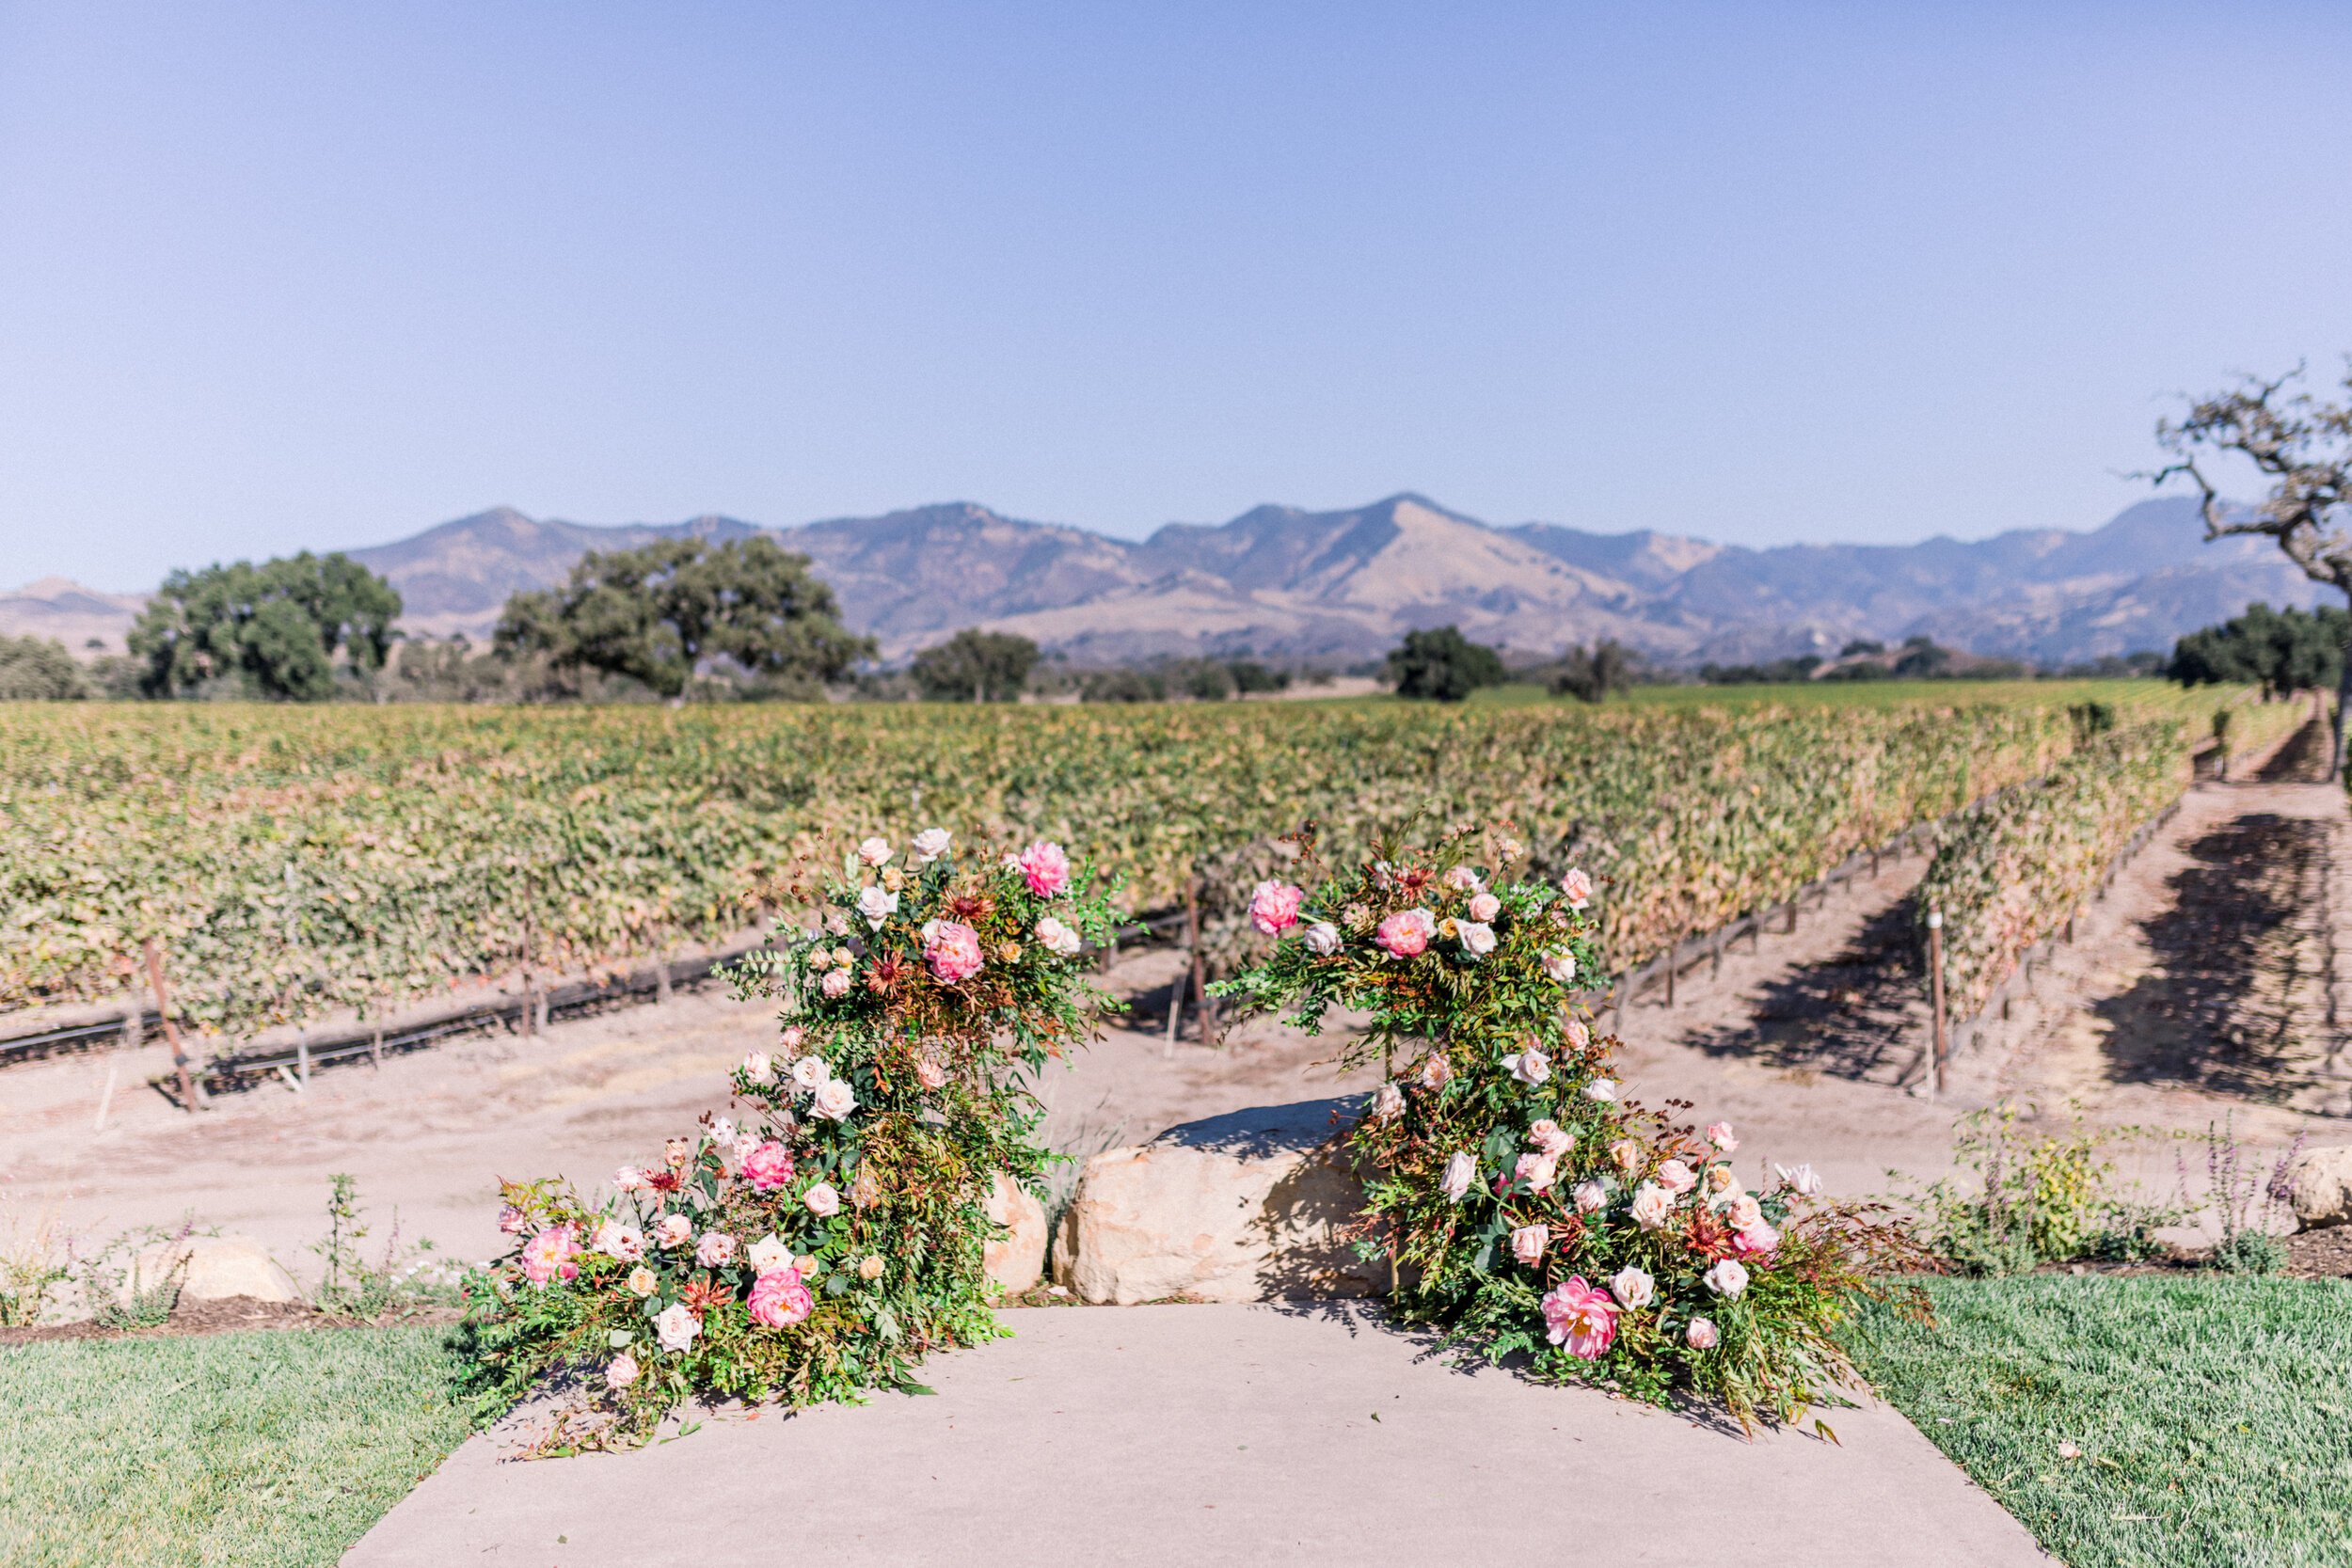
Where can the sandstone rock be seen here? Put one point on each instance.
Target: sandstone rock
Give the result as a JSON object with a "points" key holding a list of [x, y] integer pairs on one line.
{"points": [[2322, 1183], [212, 1268], [1243, 1207], [1018, 1261]]}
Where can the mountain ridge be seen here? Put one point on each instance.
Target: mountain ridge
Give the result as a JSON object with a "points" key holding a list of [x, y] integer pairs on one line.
{"points": [[1289, 583]]}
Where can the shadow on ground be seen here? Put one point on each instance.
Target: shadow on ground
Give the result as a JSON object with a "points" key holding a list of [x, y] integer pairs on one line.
{"points": [[1856, 1015]]}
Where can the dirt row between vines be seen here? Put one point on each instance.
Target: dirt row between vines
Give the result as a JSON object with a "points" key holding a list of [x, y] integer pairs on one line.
{"points": [[2196, 990]]}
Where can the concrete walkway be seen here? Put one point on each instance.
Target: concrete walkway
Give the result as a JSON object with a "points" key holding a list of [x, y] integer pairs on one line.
{"points": [[1214, 1435]]}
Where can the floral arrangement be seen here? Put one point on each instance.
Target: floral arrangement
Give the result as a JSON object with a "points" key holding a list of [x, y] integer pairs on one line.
{"points": [[824, 1241], [1529, 1205]]}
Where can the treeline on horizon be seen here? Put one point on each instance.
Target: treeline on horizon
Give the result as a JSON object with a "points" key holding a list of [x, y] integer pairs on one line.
{"points": [[684, 620]]}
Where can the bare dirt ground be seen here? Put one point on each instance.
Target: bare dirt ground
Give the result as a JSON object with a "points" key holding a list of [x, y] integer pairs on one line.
{"points": [[2204, 988]]}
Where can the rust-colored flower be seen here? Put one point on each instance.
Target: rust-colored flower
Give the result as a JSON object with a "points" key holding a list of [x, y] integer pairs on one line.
{"points": [[971, 908], [1710, 1236], [702, 1294], [885, 974]]}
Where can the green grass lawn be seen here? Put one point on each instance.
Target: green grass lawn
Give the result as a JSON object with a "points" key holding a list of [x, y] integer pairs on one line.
{"points": [[2213, 1415], [250, 1449]]}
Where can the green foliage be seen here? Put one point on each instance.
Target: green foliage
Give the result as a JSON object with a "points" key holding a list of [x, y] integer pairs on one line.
{"points": [[1592, 675], [827, 1246], [2280, 650], [300, 860], [2191, 1421], [267, 1450], [1124, 685], [1510, 1183], [657, 614], [975, 666], [1779, 672], [120, 1289], [349, 1284], [1442, 665], [2013, 868], [272, 630], [2035, 1198], [39, 670], [2250, 1205]]}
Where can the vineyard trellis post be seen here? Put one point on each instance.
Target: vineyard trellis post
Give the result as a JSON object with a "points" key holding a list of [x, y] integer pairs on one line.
{"points": [[191, 1092], [1935, 986]]}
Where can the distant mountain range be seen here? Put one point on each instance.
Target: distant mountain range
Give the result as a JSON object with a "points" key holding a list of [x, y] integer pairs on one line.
{"points": [[1278, 582]]}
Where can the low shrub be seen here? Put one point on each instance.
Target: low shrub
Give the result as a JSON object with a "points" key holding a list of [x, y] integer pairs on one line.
{"points": [[2026, 1199]]}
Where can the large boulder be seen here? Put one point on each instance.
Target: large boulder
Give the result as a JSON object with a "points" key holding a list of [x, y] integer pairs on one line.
{"points": [[2321, 1181], [1017, 1263], [1245, 1207], [212, 1268]]}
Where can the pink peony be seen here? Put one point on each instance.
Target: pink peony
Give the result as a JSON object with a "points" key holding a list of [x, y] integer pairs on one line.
{"points": [[1406, 933], [1581, 1318], [1274, 907], [769, 1166], [1579, 888], [1719, 1134], [1700, 1334], [779, 1299], [1757, 1239], [549, 1256], [952, 949], [1046, 868]]}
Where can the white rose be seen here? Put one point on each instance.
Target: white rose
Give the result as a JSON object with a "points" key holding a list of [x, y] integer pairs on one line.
{"points": [[877, 906], [1466, 878], [1527, 1244], [677, 1326], [1387, 1103], [628, 1179], [1485, 906], [1559, 964], [1059, 937], [758, 1068], [929, 845], [1529, 1066], [1436, 1071], [673, 1230], [1802, 1179], [1579, 1036], [768, 1254], [1746, 1214], [716, 1250], [1461, 1172], [1323, 939], [1653, 1205], [834, 1101], [1590, 1195], [1632, 1288], [623, 1242], [1478, 939], [1603, 1089], [1728, 1277], [810, 1073], [822, 1200], [874, 851]]}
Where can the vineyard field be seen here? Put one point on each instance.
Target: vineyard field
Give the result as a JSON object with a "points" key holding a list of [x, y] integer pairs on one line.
{"points": [[299, 860]]}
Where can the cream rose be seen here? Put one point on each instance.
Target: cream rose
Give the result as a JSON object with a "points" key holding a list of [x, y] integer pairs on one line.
{"points": [[1527, 1244], [1653, 1206], [1461, 1172], [1633, 1288]]}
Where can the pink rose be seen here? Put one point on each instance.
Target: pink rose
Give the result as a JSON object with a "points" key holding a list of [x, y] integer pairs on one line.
{"points": [[1484, 906], [628, 1179], [1406, 933], [1758, 1237], [1436, 1071], [930, 1067], [779, 1300], [716, 1250], [549, 1256], [1746, 1214], [623, 1242], [835, 985], [1589, 1197], [1579, 1036], [620, 1371], [1461, 1172], [1653, 1205], [673, 1230], [1465, 878], [1677, 1178], [513, 1220], [952, 949], [1387, 1103], [1581, 1318], [1536, 1170], [1728, 1278], [1579, 887], [768, 1166], [1046, 868], [1719, 1134], [1549, 1136], [822, 1200], [1527, 1244], [1700, 1334], [1274, 907], [1633, 1287]]}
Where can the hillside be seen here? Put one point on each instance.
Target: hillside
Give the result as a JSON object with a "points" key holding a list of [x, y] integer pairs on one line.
{"points": [[1339, 586]]}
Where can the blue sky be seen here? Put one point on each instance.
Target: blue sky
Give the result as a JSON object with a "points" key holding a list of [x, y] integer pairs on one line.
{"points": [[322, 275]]}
